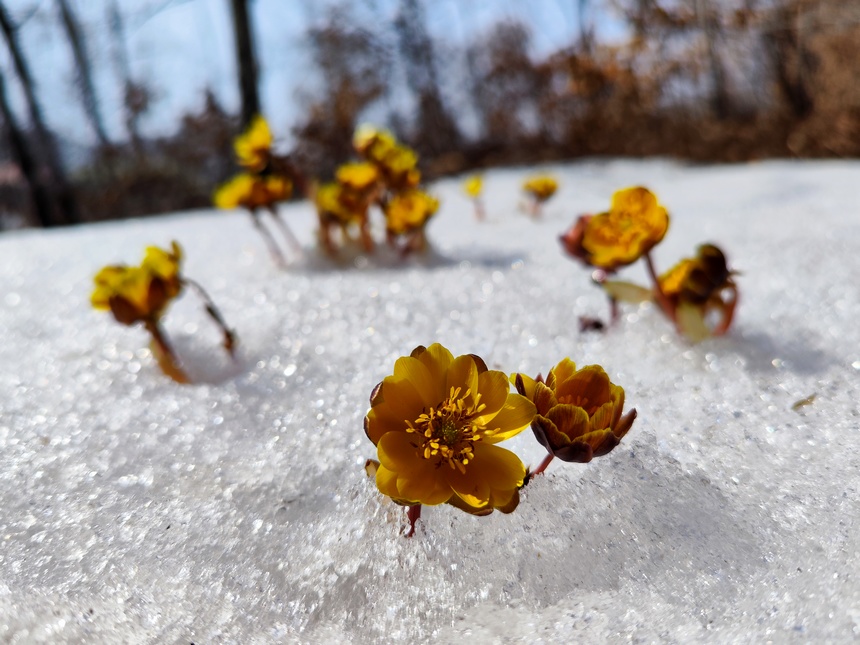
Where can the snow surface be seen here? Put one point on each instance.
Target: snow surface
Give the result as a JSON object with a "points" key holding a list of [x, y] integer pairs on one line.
{"points": [[136, 510]]}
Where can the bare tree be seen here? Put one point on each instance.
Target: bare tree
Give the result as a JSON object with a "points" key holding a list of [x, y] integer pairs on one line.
{"points": [[436, 130], [246, 61], [66, 207], [135, 95], [21, 152], [84, 71]]}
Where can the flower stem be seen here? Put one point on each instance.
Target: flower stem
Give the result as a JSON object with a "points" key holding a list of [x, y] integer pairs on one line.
{"points": [[412, 514], [163, 353], [277, 256], [662, 300], [285, 230], [546, 462], [212, 310]]}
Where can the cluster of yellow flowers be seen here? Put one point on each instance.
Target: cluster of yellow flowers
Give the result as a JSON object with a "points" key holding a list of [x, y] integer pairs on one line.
{"points": [[387, 176], [263, 182], [436, 421], [691, 294], [539, 189], [141, 294]]}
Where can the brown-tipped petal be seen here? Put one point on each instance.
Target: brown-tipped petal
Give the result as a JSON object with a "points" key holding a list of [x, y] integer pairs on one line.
{"points": [[123, 310], [370, 467], [457, 502], [479, 363], [577, 452], [519, 384], [571, 420], [376, 395], [512, 504], [157, 296], [601, 442], [625, 423], [418, 351], [544, 398], [545, 432]]}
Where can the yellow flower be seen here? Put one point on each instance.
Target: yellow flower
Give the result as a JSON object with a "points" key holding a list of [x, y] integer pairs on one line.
{"points": [[252, 191], [135, 294], [409, 210], [253, 147], [697, 286], [633, 225], [435, 423], [360, 176], [370, 141], [541, 187], [578, 411], [473, 186]]}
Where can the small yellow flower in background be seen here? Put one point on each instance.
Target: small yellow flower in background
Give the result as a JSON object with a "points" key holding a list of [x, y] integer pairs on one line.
{"points": [[371, 142], [252, 191], [254, 146], [138, 294], [435, 422], [345, 206], [633, 225], [539, 188], [406, 217], [579, 412], [409, 210], [473, 187], [696, 287], [358, 176], [265, 182], [141, 295]]}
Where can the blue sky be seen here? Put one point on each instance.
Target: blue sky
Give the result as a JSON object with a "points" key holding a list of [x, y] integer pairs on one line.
{"points": [[180, 47]]}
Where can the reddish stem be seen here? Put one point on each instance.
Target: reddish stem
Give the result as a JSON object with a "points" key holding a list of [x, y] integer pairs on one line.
{"points": [[212, 310], [662, 300], [277, 256], [546, 462], [164, 354], [413, 513]]}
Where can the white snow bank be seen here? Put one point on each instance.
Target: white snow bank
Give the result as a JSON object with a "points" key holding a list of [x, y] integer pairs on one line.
{"points": [[135, 510]]}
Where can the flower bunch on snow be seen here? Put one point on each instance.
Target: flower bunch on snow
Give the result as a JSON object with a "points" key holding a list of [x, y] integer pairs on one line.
{"points": [[141, 294], [473, 187], [437, 420], [264, 181], [634, 224], [388, 177], [539, 189]]}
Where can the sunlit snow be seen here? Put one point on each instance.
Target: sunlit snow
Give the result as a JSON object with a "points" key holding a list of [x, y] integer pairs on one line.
{"points": [[237, 510]]}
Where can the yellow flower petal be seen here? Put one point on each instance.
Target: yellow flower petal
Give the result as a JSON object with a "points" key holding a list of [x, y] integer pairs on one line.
{"points": [[494, 389], [469, 486], [588, 388], [437, 359], [398, 451], [571, 420], [513, 418], [463, 374], [413, 371], [402, 397]]}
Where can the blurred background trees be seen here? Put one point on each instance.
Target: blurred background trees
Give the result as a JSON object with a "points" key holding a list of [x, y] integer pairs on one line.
{"points": [[708, 80]]}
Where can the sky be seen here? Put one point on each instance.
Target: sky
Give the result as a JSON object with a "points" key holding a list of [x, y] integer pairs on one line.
{"points": [[181, 47]]}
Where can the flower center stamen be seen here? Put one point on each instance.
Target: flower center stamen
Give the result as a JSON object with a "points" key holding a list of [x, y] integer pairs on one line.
{"points": [[449, 431]]}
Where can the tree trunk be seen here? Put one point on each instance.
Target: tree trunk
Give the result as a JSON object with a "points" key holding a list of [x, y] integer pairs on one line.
{"points": [[85, 74], [21, 153], [131, 107], [67, 210], [246, 61]]}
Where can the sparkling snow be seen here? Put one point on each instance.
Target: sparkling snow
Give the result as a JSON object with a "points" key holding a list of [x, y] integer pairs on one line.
{"points": [[236, 510]]}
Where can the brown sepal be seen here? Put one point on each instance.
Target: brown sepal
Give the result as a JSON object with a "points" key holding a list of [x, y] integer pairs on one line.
{"points": [[123, 310]]}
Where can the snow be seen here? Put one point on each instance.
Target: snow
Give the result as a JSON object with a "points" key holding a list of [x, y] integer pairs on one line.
{"points": [[236, 510]]}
